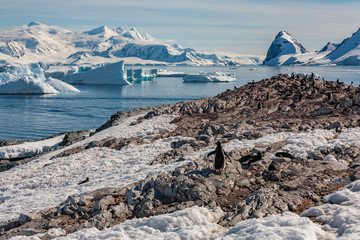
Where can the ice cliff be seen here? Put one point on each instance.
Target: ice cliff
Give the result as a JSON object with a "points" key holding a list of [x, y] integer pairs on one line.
{"points": [[108, 74]]}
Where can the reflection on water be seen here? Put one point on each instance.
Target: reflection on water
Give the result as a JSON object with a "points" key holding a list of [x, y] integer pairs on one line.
{"points": [[37, 116]]}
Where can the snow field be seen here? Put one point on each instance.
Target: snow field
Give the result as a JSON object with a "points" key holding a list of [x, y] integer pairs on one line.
{"points": [[281, 226], [44, 183]]}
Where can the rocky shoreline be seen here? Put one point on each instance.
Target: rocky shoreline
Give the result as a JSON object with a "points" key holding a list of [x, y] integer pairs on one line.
{"points": [[248, 187]]}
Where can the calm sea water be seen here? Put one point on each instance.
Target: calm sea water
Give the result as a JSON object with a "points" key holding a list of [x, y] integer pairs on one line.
{"points": [[38, 116]]}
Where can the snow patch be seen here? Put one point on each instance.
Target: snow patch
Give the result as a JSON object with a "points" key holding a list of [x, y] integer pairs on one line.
{"points": [[282, 226], [29, 149], [341, 213]]}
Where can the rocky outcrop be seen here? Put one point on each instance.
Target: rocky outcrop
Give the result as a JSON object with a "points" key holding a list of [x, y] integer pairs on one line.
{"points": [[255, 189]]}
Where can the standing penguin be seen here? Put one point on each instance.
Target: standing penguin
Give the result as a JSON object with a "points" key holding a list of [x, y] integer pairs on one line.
{"points": [[219, 159]]}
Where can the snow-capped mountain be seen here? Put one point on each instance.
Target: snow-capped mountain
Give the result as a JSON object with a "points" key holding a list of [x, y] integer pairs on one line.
{"points": [[285, 50], [51, 44], [282, 48]]}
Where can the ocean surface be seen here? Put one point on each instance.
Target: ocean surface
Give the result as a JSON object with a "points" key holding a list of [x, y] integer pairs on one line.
{"points": [[38, 116]]}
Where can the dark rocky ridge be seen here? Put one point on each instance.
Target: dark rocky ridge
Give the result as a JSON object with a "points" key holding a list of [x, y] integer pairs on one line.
{"points": [[243, 191]]}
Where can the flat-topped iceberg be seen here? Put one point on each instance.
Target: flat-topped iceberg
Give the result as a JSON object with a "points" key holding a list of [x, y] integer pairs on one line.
{"points": [[109, 74], [16, 78], [209, 77], [168, 73]]}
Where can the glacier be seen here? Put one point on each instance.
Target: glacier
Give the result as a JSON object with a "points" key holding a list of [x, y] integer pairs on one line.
{"points": [[16, 78]]}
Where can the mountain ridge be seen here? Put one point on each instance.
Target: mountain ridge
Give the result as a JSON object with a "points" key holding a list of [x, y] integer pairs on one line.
{"points": [[286, 51], [55, 45]]}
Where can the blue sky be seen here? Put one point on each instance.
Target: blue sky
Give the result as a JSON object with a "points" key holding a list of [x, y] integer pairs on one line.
{"points": [[240, 26]]}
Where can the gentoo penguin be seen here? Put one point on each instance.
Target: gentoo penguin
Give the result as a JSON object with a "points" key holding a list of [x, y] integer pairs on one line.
{"points": [[250, 158], [267, 96], [84, 181], [219, 159], [284, 154]]}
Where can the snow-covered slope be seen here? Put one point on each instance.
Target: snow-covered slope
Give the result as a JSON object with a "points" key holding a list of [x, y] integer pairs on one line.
{"points": [[285, 50], [348, 52], [52, 44]]}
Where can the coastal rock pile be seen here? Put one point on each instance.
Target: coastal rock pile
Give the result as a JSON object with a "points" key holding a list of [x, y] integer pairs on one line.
{"points": [[256, 182], [267, 186]]}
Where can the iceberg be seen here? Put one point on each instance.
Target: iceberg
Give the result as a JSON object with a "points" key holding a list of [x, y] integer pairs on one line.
{"points": [[109, 74], [16, 78], [140, 74], [168, 73], [26, 85], [60, 86], [209, 77]]}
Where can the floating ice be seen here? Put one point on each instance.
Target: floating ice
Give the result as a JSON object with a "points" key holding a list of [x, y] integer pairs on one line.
{"points": [[209, 77], [16, 78], [109, 74]]}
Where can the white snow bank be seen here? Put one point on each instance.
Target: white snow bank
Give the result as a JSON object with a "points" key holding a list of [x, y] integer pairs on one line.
{"points": [[346, 138], [301, 143], [28, 149], [192, 223], [282, 226], [109, 74], [341, 213], [16, 78]]}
